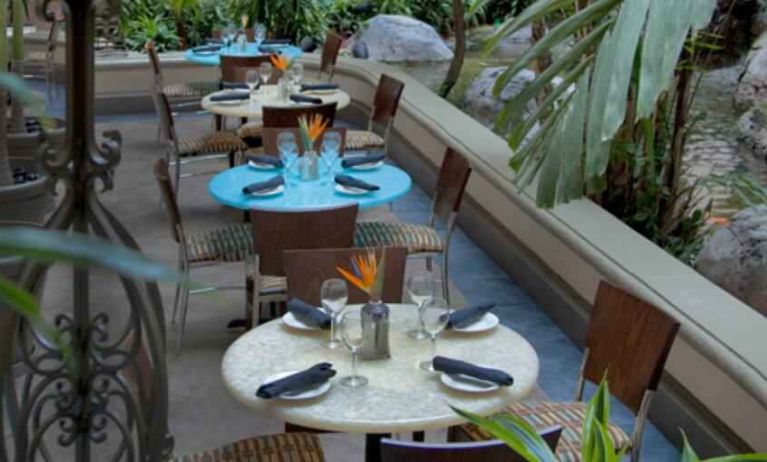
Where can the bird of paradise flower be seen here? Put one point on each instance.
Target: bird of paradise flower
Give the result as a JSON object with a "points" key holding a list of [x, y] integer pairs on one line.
{"points": [[366, 273], [311, 129], [280, 62]]}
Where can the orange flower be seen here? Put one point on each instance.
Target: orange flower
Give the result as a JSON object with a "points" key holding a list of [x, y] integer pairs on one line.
{"points": [[366, 272], [280, 62], [311, 129]]}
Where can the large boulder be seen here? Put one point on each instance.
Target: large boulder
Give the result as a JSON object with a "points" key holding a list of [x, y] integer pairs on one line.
{"points": [[735, 257], [480, 102], [752, 85], [393, 38], [752, 128]]}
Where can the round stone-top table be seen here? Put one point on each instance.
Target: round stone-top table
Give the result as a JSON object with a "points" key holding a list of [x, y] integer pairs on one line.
{"points": [[267, 97], [226, 188], [398, 398], [251, 49]]}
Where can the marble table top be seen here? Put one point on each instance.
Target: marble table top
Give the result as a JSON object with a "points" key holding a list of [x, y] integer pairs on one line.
{"points": [[399, 397], [267, 96]]}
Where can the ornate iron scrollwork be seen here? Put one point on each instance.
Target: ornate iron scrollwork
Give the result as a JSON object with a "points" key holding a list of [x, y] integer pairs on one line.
{"points": [[113, 395]]}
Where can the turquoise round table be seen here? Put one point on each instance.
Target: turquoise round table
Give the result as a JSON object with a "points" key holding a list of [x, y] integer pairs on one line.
{"points": [[214, 59], [226, 188]]}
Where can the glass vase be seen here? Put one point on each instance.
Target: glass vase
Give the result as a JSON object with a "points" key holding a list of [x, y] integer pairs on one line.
{"points": [[375, 331]]}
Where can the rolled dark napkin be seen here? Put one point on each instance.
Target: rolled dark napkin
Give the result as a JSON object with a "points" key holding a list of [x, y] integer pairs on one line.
{"points": [[216, 41], [235, 85], [230, 96], [363, 160], [318, 86], [264, 185], [350, 181], [469, 315], [206, 48], [305, 99], [454, 366], [308, 314], [300, 381], [265, 159]]}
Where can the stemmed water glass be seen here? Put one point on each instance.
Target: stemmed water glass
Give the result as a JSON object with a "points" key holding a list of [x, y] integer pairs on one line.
{"points": [[422, 286], [259, 33], [331, 146], [351, 332], [297, 75], [229, 33], [265, 69], [252, 79], [288, 150], [434, 317], [334, 296]]}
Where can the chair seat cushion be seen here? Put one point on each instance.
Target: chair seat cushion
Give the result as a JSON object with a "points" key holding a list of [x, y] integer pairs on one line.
{"points": [[216, 142], [190, 89], [362, 139], [542, 415], [288, 447], [250, 130], [227, 244], [416, 238]]}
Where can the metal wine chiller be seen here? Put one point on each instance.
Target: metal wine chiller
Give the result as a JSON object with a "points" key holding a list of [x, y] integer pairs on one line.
{"points": [[57, 413]]}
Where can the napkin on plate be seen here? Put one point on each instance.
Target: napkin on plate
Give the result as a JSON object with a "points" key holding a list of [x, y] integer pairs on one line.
{"points": [[305, 99], [454, 366], [235, 85], [230, 96], [206, 48], [319, 86], [265, 159], [271, 183], [351, 182], [469, 315], [300, 381], [308, 314], [363, 160]]}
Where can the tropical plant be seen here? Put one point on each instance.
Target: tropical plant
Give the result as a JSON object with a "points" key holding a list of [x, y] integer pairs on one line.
{"points": [[180, 10], [394, 7], [597, 445], [140, 30]]}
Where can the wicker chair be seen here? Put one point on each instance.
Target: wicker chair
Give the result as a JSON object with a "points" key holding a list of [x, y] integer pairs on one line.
{"points": [[424, 240], [275, 232], [329, 56], [225, 244], [385, 106], [628, 341], [286, 117], [289, 447], [205, 147]]}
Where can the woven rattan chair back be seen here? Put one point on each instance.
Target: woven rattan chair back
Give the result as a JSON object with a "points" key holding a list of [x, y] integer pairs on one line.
{"points": [[230, 64], [287, 117], [329, 57], [168, 198], [451, 184]]}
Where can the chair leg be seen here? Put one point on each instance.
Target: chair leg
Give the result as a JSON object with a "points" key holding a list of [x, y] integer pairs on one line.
{"points": [[176, 299], [184, 309], [445, 278]]}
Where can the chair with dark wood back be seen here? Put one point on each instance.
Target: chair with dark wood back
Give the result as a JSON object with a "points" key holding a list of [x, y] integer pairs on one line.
{"points": [[485, 451], [306, 269], [385, 105], [269, 138], [628, 341], [230, 63], [287, 117], [425, 240], [329, 57], [276, 232]]}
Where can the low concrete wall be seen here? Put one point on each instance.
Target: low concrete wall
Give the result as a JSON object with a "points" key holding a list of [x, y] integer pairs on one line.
{"points": [[715, 384]]}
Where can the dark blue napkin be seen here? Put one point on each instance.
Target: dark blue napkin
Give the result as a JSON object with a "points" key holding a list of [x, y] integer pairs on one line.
{"points": [[469, 315], [363, 160], [454, 366], [350, 181], [300, 381], [308, 314], [264, 185], [319, 86], [305, 99], [230, 96], [206, 48], [235, 86], [265, 159]]}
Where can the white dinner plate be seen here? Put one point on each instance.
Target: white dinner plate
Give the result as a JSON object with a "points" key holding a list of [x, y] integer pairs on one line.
{"points": [[371, 166], [485, 323], [290, 320], [269, 192], [468, 384], [329, 91], [259, 166], [306, 394], [351, 191]]}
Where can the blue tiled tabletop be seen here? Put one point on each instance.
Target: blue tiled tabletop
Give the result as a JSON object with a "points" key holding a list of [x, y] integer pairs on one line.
{"points": [[226, 188], [214, 59]]}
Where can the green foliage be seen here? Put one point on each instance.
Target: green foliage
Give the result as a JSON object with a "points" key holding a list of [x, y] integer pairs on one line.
{"points": [[597, 446], [745, 190], [144, 28], [438, 13], [394, 7]]}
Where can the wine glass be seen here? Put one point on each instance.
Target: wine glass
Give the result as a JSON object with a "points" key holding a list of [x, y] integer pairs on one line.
{"points": [[252, 79], [298, 74], [351, 332], [259, 33], [229, 33], [331, 145], [421, 286], [334, 295], [434, 317], [265, 69], [288, 150]]}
